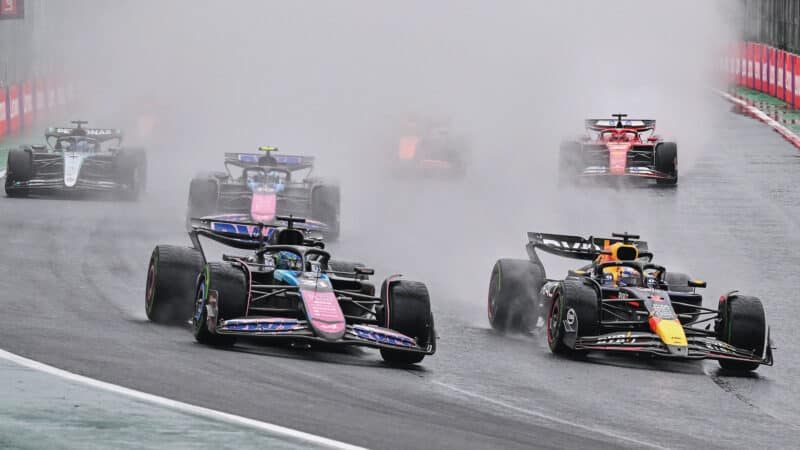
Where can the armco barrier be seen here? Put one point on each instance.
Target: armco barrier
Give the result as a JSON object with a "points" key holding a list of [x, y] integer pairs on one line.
{"points": [[766, 69], [30, 103], [3, 113], [41, 99], [14, 119], [51, 96], [27, 104]]}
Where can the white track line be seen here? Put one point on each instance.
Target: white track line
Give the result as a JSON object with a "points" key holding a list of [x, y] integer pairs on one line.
{"points": [[549, 418], [762, 116], [278, 430]]}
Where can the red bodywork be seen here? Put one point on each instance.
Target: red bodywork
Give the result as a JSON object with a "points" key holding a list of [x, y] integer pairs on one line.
{"points": [[629, 151]]}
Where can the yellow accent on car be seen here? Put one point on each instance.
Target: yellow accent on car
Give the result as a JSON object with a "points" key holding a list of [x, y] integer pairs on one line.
{"points": [[671, 332], [268, 149]]}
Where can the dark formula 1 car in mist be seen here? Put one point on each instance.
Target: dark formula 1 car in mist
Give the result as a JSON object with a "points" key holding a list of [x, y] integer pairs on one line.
{"points": [[287, 287], [259, 187], [429, 148], [622, 302], [77, 160], [618, 148]]}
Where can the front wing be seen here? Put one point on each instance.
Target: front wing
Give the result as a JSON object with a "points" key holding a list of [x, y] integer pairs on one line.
{"points": [[630, 172], [95, 174], [355, 334], [699, 347]]}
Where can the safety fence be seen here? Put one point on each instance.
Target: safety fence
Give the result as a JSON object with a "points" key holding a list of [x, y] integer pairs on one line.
{"points": [[30, 103], [765, 69]]}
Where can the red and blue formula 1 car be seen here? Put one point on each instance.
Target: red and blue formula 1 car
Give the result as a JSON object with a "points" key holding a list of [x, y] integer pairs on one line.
{"points": [[623, 302], [619, 148], [286, 287]]}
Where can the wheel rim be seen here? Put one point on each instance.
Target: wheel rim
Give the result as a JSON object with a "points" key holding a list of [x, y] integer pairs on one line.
{"points": [[553, 319], [199, 305], [491, 304], [151, 287]]}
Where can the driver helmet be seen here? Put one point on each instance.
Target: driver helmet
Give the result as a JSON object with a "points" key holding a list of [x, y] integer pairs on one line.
{"points": [[287, 260], [81, 146], [277, 182], [629, 277], [255, 180]]}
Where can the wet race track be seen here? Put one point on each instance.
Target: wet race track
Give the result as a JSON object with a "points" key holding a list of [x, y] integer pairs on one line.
{"points": [[74, 275]]}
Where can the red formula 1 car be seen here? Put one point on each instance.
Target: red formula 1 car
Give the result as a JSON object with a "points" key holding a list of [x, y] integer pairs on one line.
{"points": [[620, 148]]}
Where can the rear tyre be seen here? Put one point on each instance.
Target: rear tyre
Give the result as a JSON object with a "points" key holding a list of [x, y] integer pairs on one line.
{"points": [[514, 301], [407, 310], [171, 277], [678, 282], [741, 322], [203, 194], [346, 269], [19, 167], [131, 172], [574, 306], [230, 284], [325, 202], [570, 157], [666, 161]]}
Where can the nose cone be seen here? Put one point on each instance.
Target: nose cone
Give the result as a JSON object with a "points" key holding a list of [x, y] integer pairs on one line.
{"points": [[263, 206], [670, 331]]}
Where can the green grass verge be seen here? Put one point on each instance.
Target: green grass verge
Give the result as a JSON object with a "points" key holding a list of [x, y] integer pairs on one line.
{"points": [[760, 97], [772, 106]]}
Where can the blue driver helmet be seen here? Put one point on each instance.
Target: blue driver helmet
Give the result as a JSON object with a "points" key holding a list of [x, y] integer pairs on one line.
{"points": [[287, 260], [629, 277]]}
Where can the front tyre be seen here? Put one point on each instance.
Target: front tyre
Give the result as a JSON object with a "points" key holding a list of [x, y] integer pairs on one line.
{"points": [[19, 168], [574, 312], [741, 322], [200, 318], [666, 161], [407, 310], [171, 276]]}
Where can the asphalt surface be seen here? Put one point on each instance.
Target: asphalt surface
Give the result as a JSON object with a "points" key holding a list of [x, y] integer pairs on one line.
{"points": [[72, 277]]}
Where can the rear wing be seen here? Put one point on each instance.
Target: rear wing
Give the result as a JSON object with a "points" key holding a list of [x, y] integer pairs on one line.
{"points": [[98, 134], [575, 247], [291, 162], [634, 124], [248, 235], [241, 235]]}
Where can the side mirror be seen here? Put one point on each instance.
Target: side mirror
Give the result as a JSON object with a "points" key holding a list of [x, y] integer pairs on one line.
{"points": [[697, 283], [364, 271]]}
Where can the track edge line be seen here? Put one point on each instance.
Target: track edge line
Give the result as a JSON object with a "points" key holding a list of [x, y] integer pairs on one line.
{"points": [[176, 405]]}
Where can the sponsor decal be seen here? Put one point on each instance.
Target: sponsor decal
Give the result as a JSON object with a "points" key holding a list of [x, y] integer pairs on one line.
{"points": [[662, 310], [12, 9], [383, 336], [89, 131], [570, 321], [252, 231], [616, 339], [262, 325]]}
